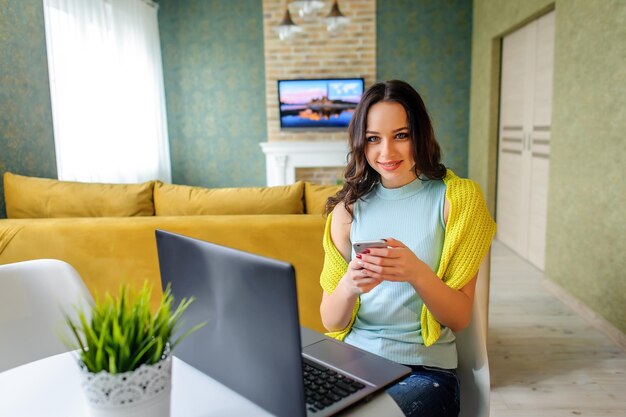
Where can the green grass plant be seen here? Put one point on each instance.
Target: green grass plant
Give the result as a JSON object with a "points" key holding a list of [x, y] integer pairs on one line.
{"points": [[122, 333]]}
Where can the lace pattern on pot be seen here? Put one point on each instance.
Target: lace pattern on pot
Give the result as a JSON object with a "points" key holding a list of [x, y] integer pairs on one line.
{"points": [[128, 388]]}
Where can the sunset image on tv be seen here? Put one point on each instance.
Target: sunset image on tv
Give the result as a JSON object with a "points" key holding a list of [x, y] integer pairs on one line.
{"points": [[327, 103]]}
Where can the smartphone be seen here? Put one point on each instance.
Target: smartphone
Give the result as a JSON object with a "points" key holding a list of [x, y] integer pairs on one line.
{"points": [[364, 244]]}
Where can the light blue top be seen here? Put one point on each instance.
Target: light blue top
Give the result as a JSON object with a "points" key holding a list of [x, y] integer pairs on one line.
{"points": [[388, 323]]}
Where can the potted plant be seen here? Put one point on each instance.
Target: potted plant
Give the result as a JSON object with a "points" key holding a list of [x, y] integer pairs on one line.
{"points": [[125, 352]]}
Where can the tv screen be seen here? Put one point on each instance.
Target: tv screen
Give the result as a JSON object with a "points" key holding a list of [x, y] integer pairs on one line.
{"points": [[323, 103]]}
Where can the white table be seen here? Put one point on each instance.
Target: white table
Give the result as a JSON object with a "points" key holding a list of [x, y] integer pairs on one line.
{"points": [[51, 388]]}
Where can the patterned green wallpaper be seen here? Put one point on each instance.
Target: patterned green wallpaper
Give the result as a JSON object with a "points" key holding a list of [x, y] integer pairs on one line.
{"points": [[26, 137], [587, 186], [586, 232], [428, 44], [215, 90]]}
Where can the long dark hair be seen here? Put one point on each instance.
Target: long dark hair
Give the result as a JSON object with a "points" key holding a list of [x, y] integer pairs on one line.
{"points": [[360, 177]]}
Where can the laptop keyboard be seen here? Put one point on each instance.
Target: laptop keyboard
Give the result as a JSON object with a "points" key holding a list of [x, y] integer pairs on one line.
{"points": [[324, 387]]}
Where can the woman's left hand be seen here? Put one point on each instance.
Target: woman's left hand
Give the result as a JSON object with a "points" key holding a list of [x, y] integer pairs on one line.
{"points": [[452, 308], [394, 263]]}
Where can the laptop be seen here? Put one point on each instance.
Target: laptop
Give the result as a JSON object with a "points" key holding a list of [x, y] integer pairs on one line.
{"points": [[253, 342]]}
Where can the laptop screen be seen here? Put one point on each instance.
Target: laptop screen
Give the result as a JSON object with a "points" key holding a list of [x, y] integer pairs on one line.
{"points": [[251, 342]]}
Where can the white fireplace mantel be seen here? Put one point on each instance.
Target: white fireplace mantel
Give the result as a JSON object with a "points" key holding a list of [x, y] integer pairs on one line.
{"points": [[282, 158]]}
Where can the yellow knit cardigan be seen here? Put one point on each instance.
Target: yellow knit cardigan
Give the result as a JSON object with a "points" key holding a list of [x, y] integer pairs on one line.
{"points": [[468, 235]]}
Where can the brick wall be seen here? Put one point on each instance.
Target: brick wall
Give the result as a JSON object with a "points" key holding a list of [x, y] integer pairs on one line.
{"points": [[323, 175], [313, 53]]}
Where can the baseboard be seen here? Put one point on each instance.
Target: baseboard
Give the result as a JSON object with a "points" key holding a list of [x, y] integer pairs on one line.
{"points": [[588, 314]]}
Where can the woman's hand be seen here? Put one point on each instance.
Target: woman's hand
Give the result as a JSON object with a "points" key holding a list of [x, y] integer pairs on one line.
{"points": [[394, 263], [336, 308], [452, 308], [357, 280]]}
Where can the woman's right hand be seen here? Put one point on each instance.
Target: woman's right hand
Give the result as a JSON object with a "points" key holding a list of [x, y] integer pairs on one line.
{"points": [[337, 307], [356, 281]]}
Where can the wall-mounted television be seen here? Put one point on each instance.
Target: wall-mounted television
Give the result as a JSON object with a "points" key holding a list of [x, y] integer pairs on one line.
{"points": [[318, 103]]}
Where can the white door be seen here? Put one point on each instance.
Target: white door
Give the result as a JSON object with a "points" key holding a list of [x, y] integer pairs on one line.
{"points": [[524, 138]]}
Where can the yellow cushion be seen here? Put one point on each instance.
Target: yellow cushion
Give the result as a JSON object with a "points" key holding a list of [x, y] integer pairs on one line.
{"points": [[315, 196], [30, 197], [181, 200]]}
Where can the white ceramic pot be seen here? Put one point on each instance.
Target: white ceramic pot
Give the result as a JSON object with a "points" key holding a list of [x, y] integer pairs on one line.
{"points": [[144, 392]]}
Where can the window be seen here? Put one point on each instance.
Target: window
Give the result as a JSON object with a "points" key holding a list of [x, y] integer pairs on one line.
{"points": [[106, 83]]}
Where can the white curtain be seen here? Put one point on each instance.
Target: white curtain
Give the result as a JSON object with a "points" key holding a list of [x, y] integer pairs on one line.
{"points": [[106, 82]]}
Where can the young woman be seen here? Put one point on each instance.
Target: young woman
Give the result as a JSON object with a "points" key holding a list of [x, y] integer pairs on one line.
{"points": [[403, 301]]}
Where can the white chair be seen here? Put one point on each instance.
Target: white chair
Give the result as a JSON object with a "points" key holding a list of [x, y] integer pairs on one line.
{"points": [[473, 369], [473, 366], [33, 296]]}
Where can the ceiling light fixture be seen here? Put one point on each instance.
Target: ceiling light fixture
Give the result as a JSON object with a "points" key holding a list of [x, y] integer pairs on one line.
{"points": [[305, 8], [286, 29], [336, 21]]}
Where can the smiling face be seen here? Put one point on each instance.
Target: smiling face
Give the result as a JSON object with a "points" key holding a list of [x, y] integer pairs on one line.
{"points": [[388, 146]]}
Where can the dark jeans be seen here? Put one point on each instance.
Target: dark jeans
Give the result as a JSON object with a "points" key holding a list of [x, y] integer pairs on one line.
{"points": [[428, 392]]}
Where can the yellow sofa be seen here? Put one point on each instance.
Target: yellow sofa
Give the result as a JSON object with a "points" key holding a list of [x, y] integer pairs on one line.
{"points": [[107, 231]]}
